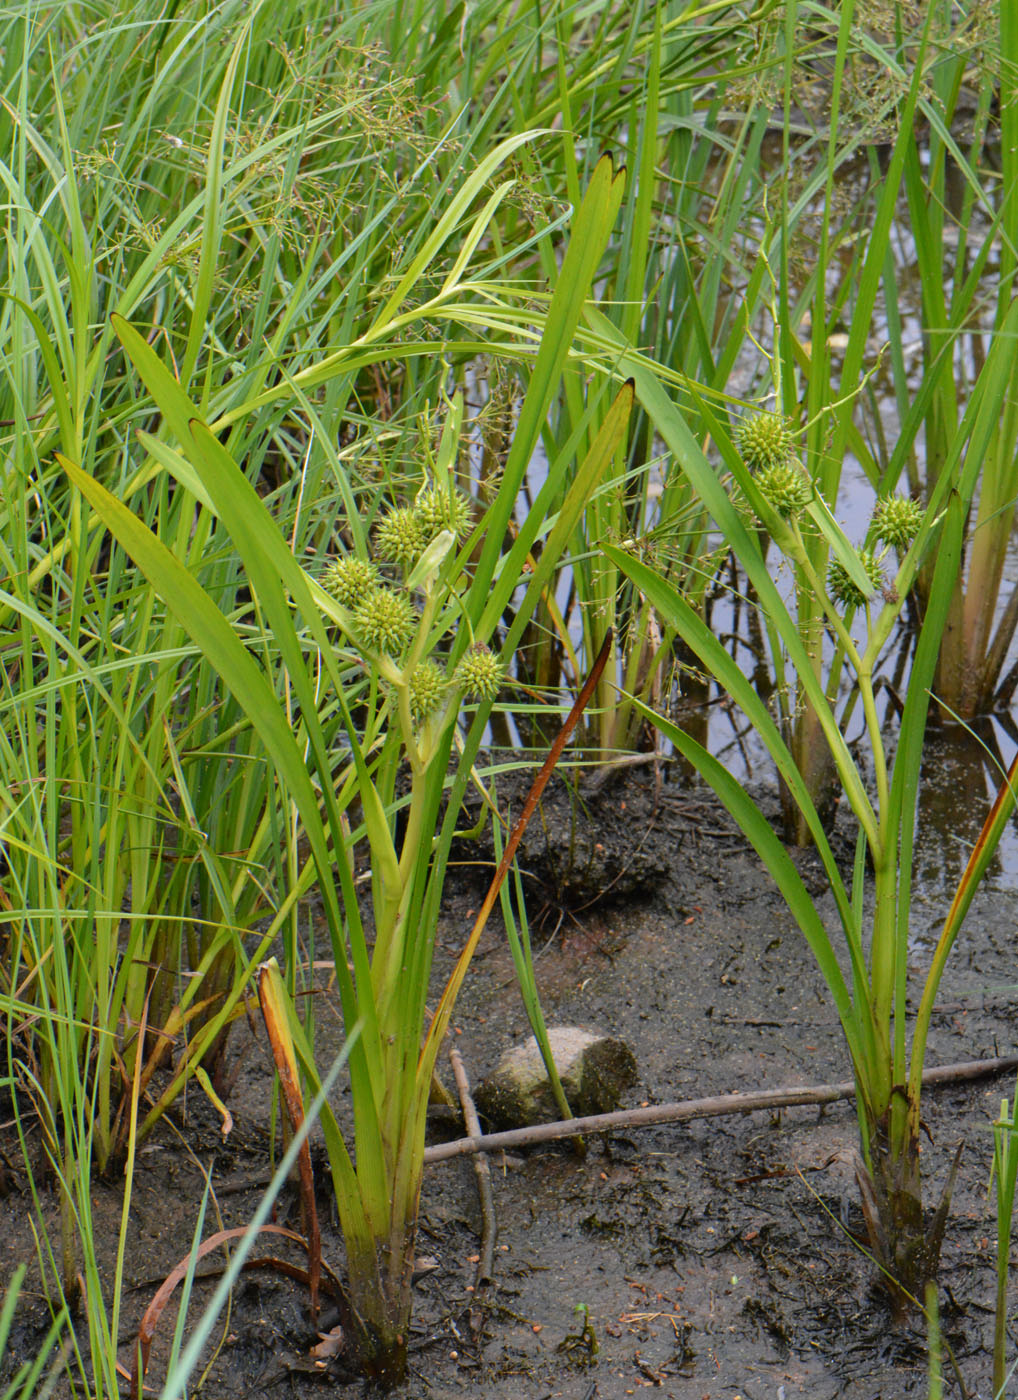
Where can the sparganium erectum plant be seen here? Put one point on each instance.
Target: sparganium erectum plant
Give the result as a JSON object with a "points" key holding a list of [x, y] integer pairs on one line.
{"points": [[367, 669], [860, 607]]}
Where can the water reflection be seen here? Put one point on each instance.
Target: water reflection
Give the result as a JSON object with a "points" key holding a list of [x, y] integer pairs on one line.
{"points": [[963, 767]]}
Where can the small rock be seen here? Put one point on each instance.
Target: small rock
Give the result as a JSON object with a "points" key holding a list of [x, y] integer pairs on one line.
{"points": [[595, 1071]]}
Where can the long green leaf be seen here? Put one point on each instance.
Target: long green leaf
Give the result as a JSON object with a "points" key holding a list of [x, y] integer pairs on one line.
{"points": [[590, 230], [451, 216], [212, 214]]}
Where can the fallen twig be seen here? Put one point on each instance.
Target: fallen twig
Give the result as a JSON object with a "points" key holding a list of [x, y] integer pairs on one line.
{"points": [[697, 1108], [486, 1266]]}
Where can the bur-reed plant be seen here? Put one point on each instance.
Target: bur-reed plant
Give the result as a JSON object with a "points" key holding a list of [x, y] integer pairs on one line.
{"points": [[366, 675], [233, 184], [860, 598], [754, 243], [812, 198], [903, 246], [254, 188], [816, 283]]}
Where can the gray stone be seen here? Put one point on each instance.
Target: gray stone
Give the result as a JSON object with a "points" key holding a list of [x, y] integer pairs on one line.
{"points": [[595, 1071]]}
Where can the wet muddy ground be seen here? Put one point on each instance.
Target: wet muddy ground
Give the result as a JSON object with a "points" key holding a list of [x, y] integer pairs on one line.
{"points": [[709, 1259]]}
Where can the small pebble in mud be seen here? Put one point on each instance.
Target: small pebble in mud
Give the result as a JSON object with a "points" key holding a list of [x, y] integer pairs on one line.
{"points": [[595, 1071]]}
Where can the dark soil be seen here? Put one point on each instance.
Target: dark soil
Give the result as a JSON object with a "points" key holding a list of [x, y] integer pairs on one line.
{"points": [[713, 1259]]}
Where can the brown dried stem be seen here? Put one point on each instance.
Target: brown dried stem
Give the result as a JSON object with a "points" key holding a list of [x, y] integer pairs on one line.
{"points": [[486, 1265]]}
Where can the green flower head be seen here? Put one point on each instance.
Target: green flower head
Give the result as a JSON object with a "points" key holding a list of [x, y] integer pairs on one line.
{"points": [[480, 673], [386, 620], [842, 588], [438, 509], [764, 440], [428, 687], [897, 520], [786, 487], [349, 578], [400, 537]]}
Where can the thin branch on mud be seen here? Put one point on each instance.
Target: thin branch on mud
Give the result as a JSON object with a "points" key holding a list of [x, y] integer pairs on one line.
{"points": [[486, 1267], [698, 1108]]}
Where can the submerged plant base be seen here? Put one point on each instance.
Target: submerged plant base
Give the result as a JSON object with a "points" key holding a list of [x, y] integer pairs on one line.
{"points": [[906, 1241], [381, 1356], [379, 1326]]}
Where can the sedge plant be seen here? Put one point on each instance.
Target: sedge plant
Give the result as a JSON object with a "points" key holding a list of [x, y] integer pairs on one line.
{"points": [[861, 598], [358, 675]]}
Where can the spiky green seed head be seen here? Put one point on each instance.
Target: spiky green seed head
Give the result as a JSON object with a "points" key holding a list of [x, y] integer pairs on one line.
{"points": [[349, 578], [786, 487], [764, 440], [480, 673], [400, 537], [842, 588], [428, 687], [438, 509], [897, 520], [386, 620]]}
